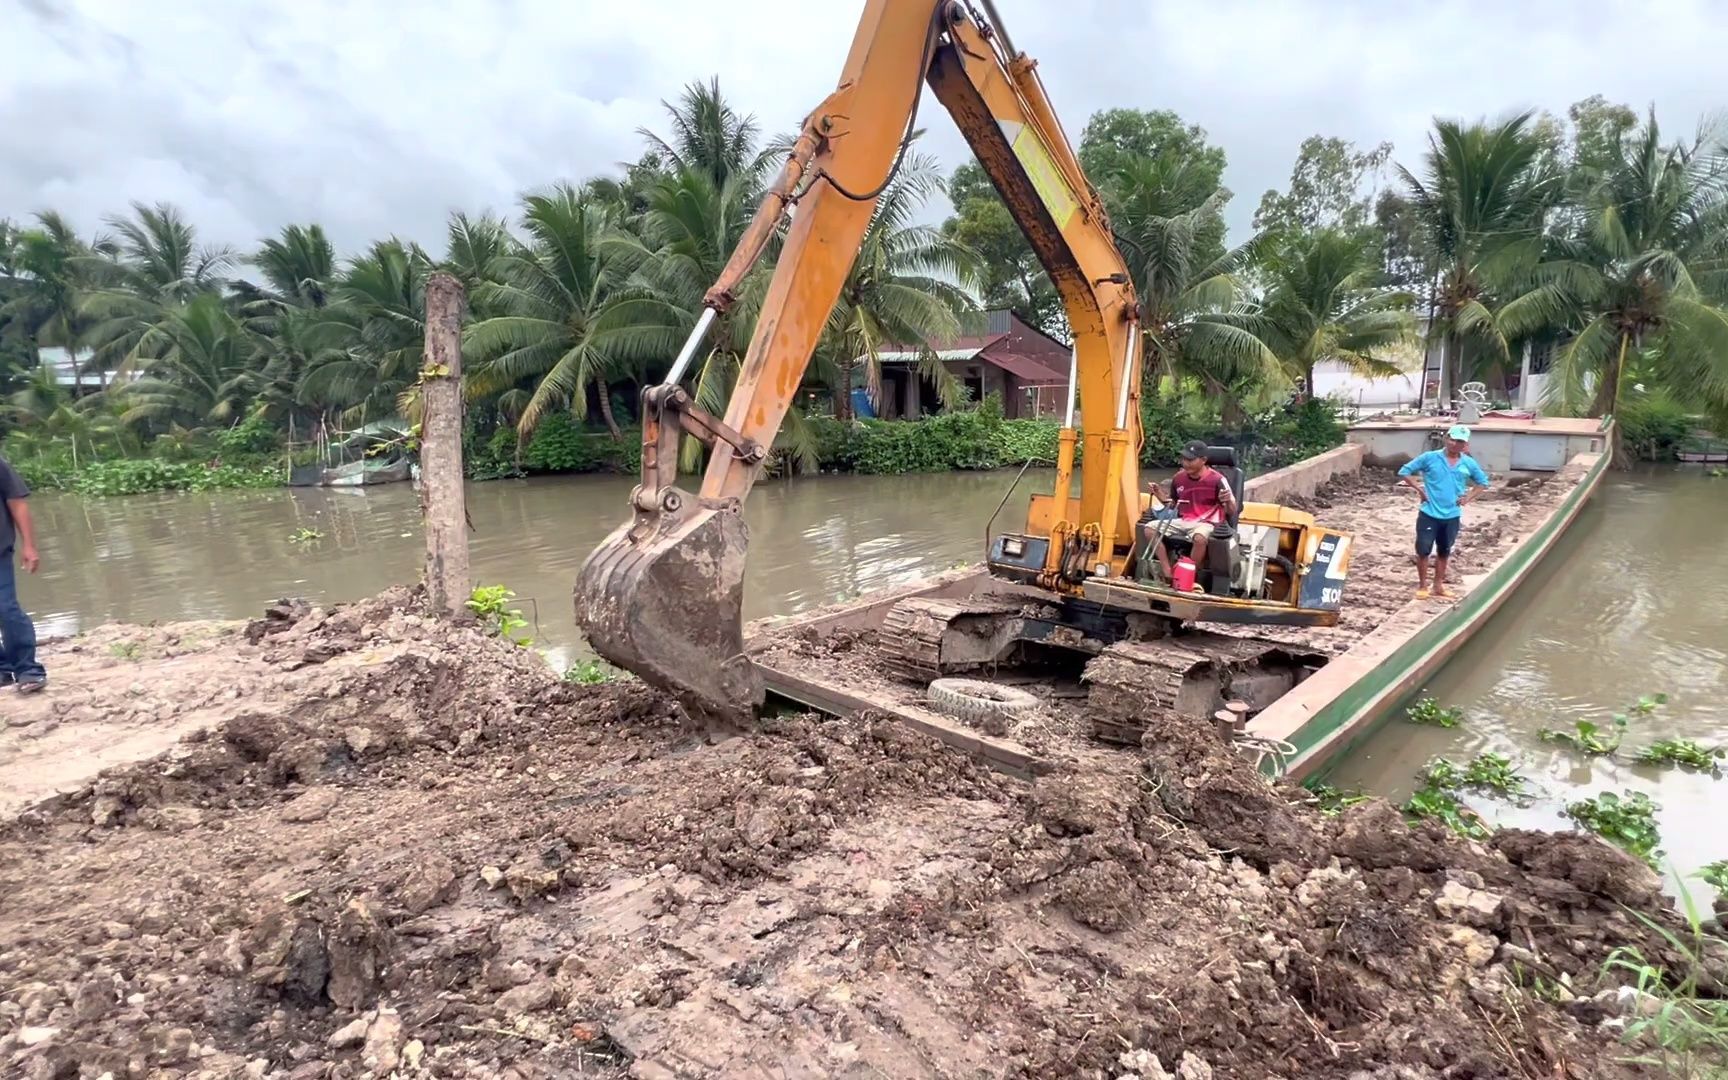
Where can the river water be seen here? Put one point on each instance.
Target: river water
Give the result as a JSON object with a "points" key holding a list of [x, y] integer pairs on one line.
{"points": [[1633, 601], [224, 555]]}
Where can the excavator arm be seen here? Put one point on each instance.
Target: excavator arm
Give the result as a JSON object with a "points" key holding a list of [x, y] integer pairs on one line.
{"points": [[663, 596]]}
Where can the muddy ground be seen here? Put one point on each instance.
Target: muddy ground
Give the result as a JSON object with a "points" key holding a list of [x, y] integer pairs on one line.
{"points": [[391, 846]]}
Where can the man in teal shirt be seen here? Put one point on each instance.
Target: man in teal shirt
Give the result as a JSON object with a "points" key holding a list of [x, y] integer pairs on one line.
{"points": [[1444, 477]]}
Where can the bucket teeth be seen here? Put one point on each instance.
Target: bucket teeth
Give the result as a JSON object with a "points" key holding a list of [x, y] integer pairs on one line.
{"points": [[662, 597]]}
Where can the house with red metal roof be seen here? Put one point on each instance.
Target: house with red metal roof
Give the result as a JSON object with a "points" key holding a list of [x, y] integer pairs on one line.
{"points": [[1026, 366]]}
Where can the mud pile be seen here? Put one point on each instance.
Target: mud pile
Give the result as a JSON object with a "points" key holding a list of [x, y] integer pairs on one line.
{"points": [[405, 848]]}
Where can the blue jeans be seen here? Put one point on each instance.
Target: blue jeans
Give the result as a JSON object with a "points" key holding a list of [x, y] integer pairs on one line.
{"points": [[17, 632]]}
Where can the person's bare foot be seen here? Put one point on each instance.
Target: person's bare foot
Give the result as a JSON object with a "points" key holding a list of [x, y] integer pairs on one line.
{"points": [[1440, 593]]}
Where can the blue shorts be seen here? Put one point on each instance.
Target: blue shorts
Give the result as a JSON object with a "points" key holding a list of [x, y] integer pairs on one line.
{"points": [[1436, 533]]}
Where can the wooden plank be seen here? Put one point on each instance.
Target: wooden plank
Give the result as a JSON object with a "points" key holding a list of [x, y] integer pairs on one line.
{"points": [[1003, 755]]}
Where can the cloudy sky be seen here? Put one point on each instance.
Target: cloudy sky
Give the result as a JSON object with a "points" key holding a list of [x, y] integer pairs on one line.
{"points": [[378, 118]]}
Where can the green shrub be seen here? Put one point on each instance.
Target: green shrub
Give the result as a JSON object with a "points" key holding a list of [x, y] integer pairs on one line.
{"points": [[137, 477], [491, 605], [1715, 875], [1167, 427], [560, 445], [591, 672], [954, 440], [48, 472], [1653, 426], [1015, 442], [253, 435], [490, 457]]}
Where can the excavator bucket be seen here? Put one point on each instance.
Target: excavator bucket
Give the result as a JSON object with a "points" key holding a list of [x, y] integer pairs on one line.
{"points": [[663, 598]]}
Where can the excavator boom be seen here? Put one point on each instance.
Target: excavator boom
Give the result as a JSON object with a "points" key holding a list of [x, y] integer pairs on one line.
{"points": [[662, 596]]}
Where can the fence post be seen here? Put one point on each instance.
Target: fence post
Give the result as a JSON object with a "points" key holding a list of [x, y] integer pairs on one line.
{"points": [[443, 503]]}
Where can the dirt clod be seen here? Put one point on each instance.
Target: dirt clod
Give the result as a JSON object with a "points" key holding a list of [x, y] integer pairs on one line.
{"points": [[315, 805]]}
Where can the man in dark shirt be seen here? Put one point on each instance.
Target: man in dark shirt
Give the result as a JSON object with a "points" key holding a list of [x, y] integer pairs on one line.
{"points": [[17, 633], [1203, 503]]}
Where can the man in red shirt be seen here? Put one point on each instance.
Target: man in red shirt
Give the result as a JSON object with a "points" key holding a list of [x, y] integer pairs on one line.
{"points": [[1203, 503]]}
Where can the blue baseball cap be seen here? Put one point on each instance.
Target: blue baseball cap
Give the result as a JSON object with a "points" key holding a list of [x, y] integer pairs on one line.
{"points": [[1459, 432]]}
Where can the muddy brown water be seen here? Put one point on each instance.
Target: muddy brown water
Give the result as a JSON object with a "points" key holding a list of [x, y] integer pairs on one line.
{"points": [[1633, 601], [224, 555]]}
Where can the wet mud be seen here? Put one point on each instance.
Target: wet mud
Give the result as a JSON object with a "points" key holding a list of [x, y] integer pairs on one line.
{"points": [[392, 846]]}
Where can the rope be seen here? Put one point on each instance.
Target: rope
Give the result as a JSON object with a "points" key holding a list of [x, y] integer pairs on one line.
{"points": [[1262, 748]]}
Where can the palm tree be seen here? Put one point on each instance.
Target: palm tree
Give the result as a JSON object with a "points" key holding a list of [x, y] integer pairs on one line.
{"points": [[48, 419], [908, 285], [680, 244], [1646, 271], [158, 266], [366, 345], [1196, 320], [476, 244], [713, 139], [567, 314], [298, 266], [50, 265], [1322, 304], [205, 374], [1481, 202]]}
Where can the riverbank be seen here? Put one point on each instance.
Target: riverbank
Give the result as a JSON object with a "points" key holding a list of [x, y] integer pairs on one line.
{"points": [[394, 843], [962, 440]]}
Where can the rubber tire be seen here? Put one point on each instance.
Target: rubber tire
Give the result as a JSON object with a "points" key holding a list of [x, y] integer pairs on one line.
{"points": [[988, 705]]}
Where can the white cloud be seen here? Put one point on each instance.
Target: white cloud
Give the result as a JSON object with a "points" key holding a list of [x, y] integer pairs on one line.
{"points": [[375, 118]]}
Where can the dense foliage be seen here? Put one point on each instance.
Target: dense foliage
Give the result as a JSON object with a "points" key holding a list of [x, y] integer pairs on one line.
{"points": [[1594, 237]]}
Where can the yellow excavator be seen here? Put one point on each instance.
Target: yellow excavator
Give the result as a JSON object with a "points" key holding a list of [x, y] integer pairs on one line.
{"points": [[663, 595]]}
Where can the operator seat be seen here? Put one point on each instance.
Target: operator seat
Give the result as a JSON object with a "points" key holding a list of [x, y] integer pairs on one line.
{"points": [[1223, 460]]}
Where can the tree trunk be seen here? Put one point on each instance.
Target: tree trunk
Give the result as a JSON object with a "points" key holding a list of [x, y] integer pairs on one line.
{"points": [[605, 392], [1231, 416], [1308, 391], [443, 502], [1448, 367], [1496, 380], [1608, 400], [843, 395]]}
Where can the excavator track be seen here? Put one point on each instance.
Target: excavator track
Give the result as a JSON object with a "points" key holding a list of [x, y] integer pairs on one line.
{"points": [[1130, 683], [926, 639]]}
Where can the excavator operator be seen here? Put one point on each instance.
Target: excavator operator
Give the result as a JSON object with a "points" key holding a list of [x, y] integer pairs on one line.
{"points": [[1203, 506]]}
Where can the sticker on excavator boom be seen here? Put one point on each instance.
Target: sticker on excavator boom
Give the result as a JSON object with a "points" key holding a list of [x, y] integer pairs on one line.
{"points": [[1046, 178], [1323, 584]]}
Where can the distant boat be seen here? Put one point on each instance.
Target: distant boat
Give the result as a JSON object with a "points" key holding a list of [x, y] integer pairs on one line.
{"points": [[366, 473]]}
